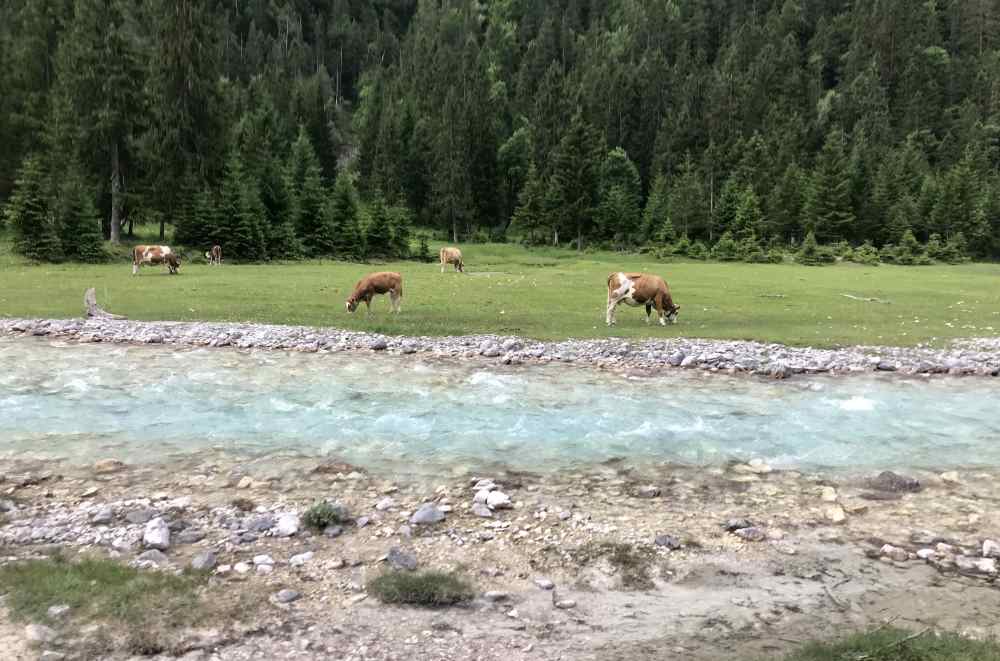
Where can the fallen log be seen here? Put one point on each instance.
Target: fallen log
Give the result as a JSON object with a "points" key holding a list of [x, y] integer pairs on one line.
{"points": [[94, 310]]}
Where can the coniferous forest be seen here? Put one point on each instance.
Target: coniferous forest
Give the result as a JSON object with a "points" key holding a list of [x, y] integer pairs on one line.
{"points": [[732, 129]]}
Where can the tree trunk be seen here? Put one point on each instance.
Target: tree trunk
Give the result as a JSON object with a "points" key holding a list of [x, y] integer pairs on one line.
{"points": [[454, 227], [579, 237], [116, 194]]}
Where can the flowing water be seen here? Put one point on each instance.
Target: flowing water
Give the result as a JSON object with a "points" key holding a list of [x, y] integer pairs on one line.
{"points": [[140, 403]]}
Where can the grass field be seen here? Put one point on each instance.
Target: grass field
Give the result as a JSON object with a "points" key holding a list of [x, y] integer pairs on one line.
{"points": [[545, 294]]}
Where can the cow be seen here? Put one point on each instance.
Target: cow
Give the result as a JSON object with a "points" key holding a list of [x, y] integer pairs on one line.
{"points": [[383, 282], [214, 256], [636, 289], [452, 256], [155, 255]]}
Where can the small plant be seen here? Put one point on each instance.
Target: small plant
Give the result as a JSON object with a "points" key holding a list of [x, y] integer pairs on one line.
{"points": [[892, 644], [698, 251], [428, 588], [423, 253], [324, 514], [866, 254], [726, 249], [813, 254]]}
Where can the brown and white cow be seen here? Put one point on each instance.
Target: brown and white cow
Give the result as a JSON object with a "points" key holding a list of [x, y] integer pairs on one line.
{"points": [[155, 255], [636, 289], [383, 282], [214, 256], [452, 256]]}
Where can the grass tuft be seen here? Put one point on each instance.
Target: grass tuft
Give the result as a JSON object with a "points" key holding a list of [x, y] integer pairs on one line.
{"points": [[428, 588], [324, 514], [898, 645]]}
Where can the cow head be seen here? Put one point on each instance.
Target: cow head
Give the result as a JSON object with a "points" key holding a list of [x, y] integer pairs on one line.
{"points": [[173, 263], [352, 305], [208, 256], [672, 313]]}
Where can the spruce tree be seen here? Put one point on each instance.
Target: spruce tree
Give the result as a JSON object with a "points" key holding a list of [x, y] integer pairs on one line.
{"points": [[656, 225], [748, 222], [342, 212], [529, 216], [620, 198], [312, 223], [576, 173], [401, 225], [241, 208], [378, 234], [29, 215], [79, 222], [828, 209]]}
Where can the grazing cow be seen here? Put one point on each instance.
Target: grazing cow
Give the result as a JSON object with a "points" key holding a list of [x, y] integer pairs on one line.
{"points": [[637, 289], [383, 282], [214, 256], [452, 256], [155, 255]]}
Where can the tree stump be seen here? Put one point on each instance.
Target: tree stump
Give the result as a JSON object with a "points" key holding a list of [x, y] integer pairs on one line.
{"points": [[94, 310]]}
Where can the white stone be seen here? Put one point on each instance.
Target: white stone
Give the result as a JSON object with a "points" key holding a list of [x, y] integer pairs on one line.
{"points": [[498, 500], [828, 494], [241, 567], [287, 525], [157, 535], [927, 554], [835, 514], [300, 559], [991, 549], [40, 634], [385, 504], [894, 552], [481, 496], [263, 560]]}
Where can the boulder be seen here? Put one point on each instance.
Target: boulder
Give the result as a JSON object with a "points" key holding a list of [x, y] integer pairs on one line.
{"points": [[287, 525], [399, 559], [156, 535], [204, 561], [427, 513]]}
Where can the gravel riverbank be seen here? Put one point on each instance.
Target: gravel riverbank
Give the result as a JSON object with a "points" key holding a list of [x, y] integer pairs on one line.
{"points": [[979, 356]]}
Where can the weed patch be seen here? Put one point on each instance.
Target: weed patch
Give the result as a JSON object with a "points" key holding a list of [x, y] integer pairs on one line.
{"points": [[428, 588], [897, 645]]}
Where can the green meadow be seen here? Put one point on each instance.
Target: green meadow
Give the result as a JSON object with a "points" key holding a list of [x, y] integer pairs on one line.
{"points": [[539, 293]]}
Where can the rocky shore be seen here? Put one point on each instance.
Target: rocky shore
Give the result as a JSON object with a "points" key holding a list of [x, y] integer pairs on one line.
{"points": [[978, 356], [608, 563]]}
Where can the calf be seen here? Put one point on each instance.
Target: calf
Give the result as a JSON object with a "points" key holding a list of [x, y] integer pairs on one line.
{"points": [[637, 289], [155, 255], [214, 256], [383, 282], [452, 256]]}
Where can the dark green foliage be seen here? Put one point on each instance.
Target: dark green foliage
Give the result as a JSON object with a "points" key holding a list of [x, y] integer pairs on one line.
{"points": [[909, 250], [79, 222], [29, 216], [401, 226], [323, 514], [698, 250], [529, 219], [378, 232], [813, 254], [242, 216], [828, 210], [726, 249], [342, 212], [889, 644], [426, 588], [618, 216], [865, 254], [575, 178], [656, 224], [423, 250], [312, 223]]}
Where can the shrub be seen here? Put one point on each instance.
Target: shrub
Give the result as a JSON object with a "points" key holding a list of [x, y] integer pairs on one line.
{"points": [[428, 588], [813, 254], [956, 249], [935, 248], [697, 251], [866, 253], [775, 255], [682, 246], [909, 251], [423, 251], [726, 249], [887, 253], [324, 514]]}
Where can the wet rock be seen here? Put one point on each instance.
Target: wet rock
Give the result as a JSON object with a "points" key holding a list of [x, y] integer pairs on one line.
{"points": [[287, 525], [668, 541], [894, 483], [156, 535], [886, 366], [204, 561], [481, 510], [676, 359], [142, 516], [286, 596], [751, 534], [428, 513], [399, 559], [153, 557], [925, 538], [104, 466], [647, 491], [498, 500]]}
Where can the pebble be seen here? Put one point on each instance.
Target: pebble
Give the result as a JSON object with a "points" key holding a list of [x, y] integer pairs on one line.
{"points": [[427, 513], [153, 556], [287, 525], [544, 583], [648, 491], [889, 481], [204, 561], [104, 516], [242, 567], [751, 534], [401, 560], [732, 525], [55, 612], [300, 559], [263, 559], [991, 549], [828, 494], [157, 535], [495, 596], [498, 500], [190, 536], [40, 634], [333, 531], [668, 541], [141, 516], [479, 509], [286, 596], [107, 466], [565, 604], [385, 504], [835, 514], [894, 553]]}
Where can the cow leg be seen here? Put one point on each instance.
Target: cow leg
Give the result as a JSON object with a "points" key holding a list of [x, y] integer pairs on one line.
{"points": [[442, 267], [135, 269], [611, 311], [660, 310], [649, 312]]}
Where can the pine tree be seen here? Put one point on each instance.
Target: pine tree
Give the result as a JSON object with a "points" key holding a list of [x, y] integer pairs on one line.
{"points": [[400, 225], [785, 205], [311, 222], [241, 206], [78, 221], [748, 222], [343, 214], [620, 198], [529, 217], [828, 209], [378, 234], [29, 216], [575, 176], [688, 210], [656, 224], [208, 221]]}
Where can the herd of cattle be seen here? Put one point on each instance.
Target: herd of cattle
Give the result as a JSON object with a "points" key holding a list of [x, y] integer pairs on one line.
{"points": [[633, 289]]}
